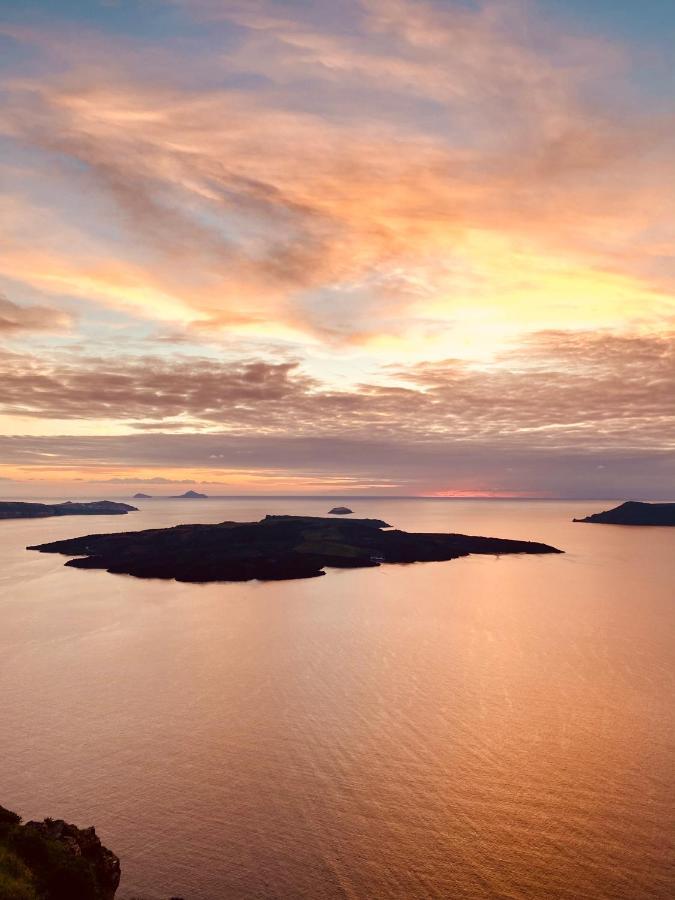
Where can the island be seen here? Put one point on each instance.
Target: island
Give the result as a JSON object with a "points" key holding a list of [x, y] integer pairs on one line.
{"points": [[10, 509], [634, 512], [190, 495], [275, 548], [340, 511], [52, 860], [141, 496]]}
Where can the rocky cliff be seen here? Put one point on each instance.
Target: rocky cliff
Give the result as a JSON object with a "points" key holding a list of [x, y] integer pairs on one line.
{"points": [[53, 860]]}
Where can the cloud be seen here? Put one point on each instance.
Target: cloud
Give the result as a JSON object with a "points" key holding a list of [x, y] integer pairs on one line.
{"points": [[503, 183], [464, 202], [157, 479], [554, 390], [393, 465], [129, 388], [15, 319], [562, 389]]}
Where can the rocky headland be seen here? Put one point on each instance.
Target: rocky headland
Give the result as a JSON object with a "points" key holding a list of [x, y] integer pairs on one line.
{"points": [[275, 548], [52, 860], [10, 509], [634, 512]]}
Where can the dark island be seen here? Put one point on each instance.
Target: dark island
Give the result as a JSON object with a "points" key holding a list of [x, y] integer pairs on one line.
{"points": [[634, 512], [190, 495], [17, 510], [140, 496], [52, 860], [340, 511], [276, 548]]}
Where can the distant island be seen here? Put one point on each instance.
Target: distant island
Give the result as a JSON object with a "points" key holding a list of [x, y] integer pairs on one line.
{"points": [[340, 511], [52, 860], [634, 512], [190, 495], [275, 548], [18, 510]]}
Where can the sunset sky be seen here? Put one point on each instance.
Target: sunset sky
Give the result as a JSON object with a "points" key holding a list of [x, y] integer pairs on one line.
{"points": [[337, 246]]}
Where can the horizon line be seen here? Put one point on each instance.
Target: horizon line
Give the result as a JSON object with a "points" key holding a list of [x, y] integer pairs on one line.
{"points": [[367, 497]]}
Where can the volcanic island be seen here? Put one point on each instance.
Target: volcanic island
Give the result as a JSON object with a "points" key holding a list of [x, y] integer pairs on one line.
{"points": [[273, 549], [634, 512]]}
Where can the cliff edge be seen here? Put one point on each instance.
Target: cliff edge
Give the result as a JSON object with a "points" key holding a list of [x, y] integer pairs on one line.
{"points": [[53, 860]]}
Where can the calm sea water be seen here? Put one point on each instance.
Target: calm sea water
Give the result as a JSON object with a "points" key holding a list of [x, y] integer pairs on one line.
{"points": [[482, 728]]}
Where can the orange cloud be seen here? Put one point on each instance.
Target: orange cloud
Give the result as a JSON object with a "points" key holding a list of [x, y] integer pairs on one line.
{"points": [[244, 211], [556, 390], [15, 319]]}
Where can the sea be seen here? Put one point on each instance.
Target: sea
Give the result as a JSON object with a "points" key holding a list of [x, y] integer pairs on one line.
{"points": [[488, 727]]}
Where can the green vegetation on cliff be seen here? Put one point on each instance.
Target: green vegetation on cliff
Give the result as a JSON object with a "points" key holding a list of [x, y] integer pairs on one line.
{"points": [[52, 860]]}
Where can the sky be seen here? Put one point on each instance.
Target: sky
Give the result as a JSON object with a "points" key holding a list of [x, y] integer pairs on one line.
{"points": [[391, 247]]}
